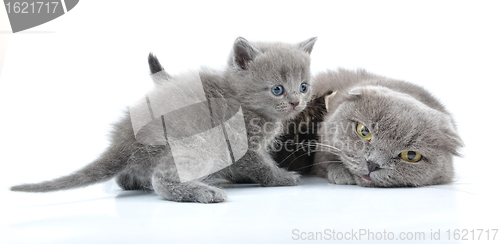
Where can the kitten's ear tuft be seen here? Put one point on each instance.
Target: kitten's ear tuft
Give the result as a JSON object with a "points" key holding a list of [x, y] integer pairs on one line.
{"points": [[307, 45], [243, 52]]}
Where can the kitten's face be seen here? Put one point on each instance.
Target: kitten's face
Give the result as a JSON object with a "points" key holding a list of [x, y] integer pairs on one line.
{"points": [[389, 139], [281, 86], [274, 80]]}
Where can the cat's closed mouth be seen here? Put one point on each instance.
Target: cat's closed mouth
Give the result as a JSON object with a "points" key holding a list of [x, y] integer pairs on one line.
{"points": [[367, 177]]}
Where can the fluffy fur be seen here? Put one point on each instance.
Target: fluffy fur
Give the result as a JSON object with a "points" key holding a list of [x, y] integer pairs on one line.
{"points": [[252, 70], [400, 116], [295, 149]]}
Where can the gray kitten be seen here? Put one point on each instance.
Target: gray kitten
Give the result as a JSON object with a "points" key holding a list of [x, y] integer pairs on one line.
{"points": [[271, 82], [380, 132]]}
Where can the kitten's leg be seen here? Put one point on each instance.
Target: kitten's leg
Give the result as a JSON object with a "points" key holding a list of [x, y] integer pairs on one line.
{"points": [[338, 174], [166, 183], [130, 181], [192, 191], [262, 169]]}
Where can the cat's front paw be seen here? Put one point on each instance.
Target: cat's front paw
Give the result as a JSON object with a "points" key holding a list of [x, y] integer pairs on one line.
{"points": [[339, 175], [209, 195], [284, 178]]}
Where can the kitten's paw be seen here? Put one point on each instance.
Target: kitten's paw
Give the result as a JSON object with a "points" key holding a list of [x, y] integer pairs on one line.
{"points": [[340, 176], [285, 178], [209, 195], [189, 192]]}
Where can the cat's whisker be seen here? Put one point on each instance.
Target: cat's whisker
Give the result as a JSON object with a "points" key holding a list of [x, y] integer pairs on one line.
{"points": [[309, 145], [298, 143], [327, 146], [328, 151], [292, 153], [307, 153], [324, 162]]}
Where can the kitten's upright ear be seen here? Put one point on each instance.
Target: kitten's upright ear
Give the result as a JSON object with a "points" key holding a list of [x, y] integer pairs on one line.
{"points": [[243, 53], [307, 45]]}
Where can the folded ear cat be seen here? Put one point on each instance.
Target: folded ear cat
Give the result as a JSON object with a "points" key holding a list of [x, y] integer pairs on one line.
{"points": [[380, 132], [372, 131], [177, 154]]}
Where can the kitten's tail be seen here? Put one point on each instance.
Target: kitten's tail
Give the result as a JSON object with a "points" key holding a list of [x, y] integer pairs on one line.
{"points": [[102, 169], [158, 73], [154, 64]]}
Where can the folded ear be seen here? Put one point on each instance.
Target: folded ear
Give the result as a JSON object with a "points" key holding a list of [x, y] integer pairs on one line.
{"points": [[243, 53], [451, 140], [450, 131], [307, 45], [456, 139], [356, 91]]}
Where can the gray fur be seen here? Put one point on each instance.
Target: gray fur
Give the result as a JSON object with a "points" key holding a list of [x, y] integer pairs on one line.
{"points": [[253, 68], [401, 117]]}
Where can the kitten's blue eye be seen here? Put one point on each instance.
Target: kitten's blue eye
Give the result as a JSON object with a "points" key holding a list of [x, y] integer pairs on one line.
{"points": [[277, 90], [303, 87]]}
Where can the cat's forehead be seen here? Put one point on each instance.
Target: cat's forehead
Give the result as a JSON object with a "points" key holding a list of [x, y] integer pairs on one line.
{"points": [[391, 115], [373, 100]]}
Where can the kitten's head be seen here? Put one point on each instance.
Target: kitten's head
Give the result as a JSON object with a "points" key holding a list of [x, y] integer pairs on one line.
{"points": [[388, 139], [271, 79]]}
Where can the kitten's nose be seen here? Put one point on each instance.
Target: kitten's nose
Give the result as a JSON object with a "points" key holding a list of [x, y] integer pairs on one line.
{"points": [[372, 166], [294, 103]]}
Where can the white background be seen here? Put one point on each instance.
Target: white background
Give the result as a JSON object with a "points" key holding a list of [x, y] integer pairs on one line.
{"points": [[64, 82]]}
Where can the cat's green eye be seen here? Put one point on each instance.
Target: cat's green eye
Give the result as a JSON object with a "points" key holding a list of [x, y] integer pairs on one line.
{"points": [[410, 156], [363, 131]]}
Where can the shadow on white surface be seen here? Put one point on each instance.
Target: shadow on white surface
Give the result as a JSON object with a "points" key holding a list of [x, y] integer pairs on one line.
{"points": [[105, 214]]}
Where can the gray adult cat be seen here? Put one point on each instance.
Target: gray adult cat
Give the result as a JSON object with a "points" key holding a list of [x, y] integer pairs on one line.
{"points": [[270, 81], [380, 132]]}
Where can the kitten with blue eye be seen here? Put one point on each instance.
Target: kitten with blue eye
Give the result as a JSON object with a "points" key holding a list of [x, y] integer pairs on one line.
{"points": [[271, 82], [381, 132]]}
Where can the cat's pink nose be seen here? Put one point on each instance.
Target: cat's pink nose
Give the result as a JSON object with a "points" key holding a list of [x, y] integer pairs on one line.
{"points": [[294, 104]]}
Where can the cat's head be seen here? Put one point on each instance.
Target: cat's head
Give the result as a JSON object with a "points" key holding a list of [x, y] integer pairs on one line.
{"points": [[272, 79], [390, 139]]}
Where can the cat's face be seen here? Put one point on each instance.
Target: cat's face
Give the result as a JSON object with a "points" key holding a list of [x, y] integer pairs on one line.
{"points": [[389, 139], [272, 79]]}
